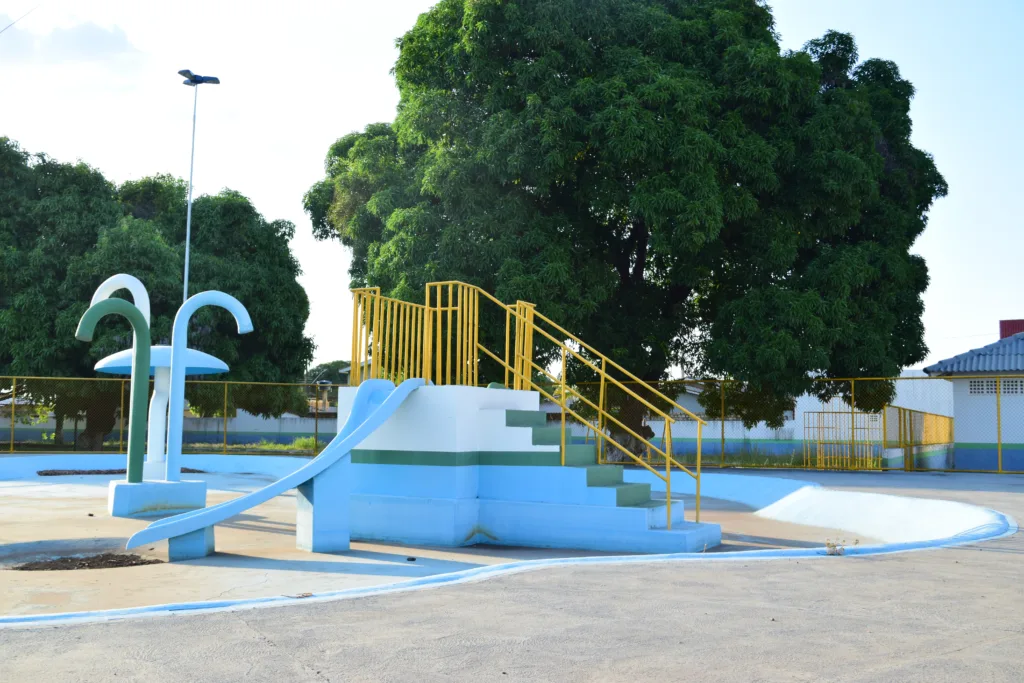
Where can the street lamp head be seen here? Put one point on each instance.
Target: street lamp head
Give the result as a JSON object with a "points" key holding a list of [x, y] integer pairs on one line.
{"points": [[193, 80]]}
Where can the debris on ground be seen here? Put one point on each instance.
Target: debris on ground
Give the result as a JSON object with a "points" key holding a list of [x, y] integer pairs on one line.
{"points": [[101, 561]]}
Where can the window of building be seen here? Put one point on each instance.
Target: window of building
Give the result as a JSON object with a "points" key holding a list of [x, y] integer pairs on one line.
{"points": [[981, 386], [1006, 387]]}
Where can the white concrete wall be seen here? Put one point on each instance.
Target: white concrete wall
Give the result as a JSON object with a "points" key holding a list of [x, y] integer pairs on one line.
{"points": [[452, 419], [975, 416]]}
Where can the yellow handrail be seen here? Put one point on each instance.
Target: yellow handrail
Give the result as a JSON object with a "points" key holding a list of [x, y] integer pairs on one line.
{"points": [[440, 341]]}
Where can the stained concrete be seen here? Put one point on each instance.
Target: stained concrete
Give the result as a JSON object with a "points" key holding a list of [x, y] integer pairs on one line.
{"points": [[942, 615]]}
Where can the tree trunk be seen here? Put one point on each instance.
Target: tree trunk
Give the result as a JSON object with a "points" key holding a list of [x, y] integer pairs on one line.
{"points": [[100, 419], [58, 428], [632, 413]]}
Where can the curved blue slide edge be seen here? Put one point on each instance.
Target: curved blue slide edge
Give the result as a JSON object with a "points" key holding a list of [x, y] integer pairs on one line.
{"points": [[1002, 526], [368, 413]]}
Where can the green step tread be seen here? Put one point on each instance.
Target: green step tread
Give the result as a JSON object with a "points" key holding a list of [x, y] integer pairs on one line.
{"points": [[630, 495], [526, 418]]}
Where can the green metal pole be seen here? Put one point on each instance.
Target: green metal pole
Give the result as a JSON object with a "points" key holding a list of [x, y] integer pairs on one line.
{"points": [[140, 373]]}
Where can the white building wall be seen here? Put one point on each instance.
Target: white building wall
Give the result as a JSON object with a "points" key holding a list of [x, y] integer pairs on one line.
{"points": [[975, 415]]}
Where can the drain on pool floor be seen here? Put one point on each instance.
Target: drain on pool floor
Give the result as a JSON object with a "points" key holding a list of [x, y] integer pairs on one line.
{"points": [[101, 561]]}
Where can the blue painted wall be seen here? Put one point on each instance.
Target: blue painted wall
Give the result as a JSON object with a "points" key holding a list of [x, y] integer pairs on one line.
{"points": [[987, 458]]}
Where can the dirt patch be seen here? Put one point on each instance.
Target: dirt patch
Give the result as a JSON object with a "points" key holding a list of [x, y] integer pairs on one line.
{"points": [[101, 561], [64, 473]]}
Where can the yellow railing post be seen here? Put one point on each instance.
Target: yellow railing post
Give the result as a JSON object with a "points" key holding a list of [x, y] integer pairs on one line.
{"points": [[722, 416], [508, 325], [14, 401], [475, 338], [438, 340], [226, 417], [666, 444], [700, 427], [353, 375], [999, 424], [562, 399], [121, 415], [389, 336], [460, 338], [528, 346], [448, 355], [316, 420], [428, 322], [121, 420], [374, 347], [853, 421], [517, 342], [600, 412]]}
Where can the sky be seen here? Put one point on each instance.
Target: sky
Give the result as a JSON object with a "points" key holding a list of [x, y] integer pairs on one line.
{"points": [[98, 82]]}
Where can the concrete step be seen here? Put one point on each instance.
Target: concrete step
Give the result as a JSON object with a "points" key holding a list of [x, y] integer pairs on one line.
{"points": [[603, 475], [547, 436], [620, 495], [580, 454], [525, 418]]}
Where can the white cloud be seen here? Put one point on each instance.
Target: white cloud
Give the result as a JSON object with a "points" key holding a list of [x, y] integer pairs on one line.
{"points": [[77, 44]]}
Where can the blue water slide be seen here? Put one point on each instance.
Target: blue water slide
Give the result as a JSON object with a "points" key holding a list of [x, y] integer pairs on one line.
{"points": [[375, 401]]}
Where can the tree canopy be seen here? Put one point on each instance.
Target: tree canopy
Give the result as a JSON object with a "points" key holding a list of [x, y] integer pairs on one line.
{"points": [[658, 176], [64, 229]]}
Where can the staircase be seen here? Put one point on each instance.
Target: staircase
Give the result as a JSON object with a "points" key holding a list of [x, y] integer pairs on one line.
{"points": [[446, 349], [604, 484]]}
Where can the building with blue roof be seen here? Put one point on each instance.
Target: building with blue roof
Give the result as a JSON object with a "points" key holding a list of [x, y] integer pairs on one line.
{"points": [[988, 402]]}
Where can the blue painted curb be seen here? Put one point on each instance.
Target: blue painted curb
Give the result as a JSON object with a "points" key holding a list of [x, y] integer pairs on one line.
{"points": [[1002, 527]]}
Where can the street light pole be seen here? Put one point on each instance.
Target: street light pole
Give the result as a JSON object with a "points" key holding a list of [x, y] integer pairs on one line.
{"points": [[194, 81], [191, 169]]}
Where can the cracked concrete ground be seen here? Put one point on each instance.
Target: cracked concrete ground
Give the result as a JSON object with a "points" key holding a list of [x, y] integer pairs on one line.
{"points": [[941, 615]]}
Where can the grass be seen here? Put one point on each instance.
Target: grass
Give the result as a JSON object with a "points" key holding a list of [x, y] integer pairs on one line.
{"points": [[751, 456]]}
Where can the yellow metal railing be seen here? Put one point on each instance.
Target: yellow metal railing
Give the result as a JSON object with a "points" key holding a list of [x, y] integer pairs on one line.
{"points": [[440, 341], [834, 441], [829, 443]]}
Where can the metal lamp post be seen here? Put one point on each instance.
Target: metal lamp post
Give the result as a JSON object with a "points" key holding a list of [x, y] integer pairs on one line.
{"points": [[192, 80]]}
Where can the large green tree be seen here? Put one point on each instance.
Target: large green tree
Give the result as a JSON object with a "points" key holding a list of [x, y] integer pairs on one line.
{"points": [[64, 229], [658, 176]]}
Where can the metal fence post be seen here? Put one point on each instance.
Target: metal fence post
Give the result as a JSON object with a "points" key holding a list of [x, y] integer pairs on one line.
{"points": [[225, 418], [316, 420], [353, 373], [721, 388], [562, 400], [853, 423], [700, 437], [120, 437], [999, 424]]}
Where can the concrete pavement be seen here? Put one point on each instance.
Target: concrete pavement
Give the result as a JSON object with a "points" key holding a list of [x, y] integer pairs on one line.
{"points": [[944, 615]]}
